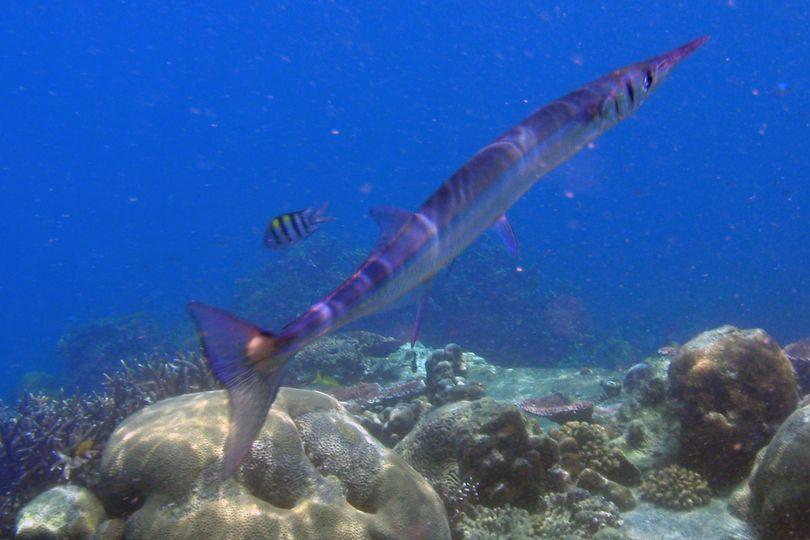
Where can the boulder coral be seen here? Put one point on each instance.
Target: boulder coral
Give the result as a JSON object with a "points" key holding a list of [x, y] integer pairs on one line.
{"points": [[733, 388], [585, 445], [776, 496], [70, 512], [485, 444], [312, 473]]}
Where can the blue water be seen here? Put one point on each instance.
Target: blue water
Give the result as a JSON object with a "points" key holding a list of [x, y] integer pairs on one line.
{"points": [[143, 148]]}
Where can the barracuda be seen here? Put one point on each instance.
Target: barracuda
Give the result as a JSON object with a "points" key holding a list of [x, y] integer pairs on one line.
{"points": [[251, 362]]}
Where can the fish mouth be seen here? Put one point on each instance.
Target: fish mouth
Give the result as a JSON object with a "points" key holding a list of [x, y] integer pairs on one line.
{"points": [[674, 57]]}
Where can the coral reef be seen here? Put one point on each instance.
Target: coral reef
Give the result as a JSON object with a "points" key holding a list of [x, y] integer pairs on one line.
{"points": [[313, 472], [45, 440], [100, 345], [573, 516], [557, 409], [799, 355], [646, 383], [584, 445], [734, 388], [390, 424], [61, 512], [636, 433], [776, 496], [347, 357], [48, 439], [446, 377], [616, 493], [676, 488], [158, 377], [484, 444]]}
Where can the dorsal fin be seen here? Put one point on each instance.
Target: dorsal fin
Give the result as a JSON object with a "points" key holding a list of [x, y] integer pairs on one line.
{"points": [[390, 221]]}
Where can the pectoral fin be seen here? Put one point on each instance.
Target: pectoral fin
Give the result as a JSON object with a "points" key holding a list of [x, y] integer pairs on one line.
{"points": [[420, 312], [504, 230]]}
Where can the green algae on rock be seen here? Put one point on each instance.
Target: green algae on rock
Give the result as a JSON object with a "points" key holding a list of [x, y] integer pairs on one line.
{"points": [[676, 488], [62, 512], [312, 473]]}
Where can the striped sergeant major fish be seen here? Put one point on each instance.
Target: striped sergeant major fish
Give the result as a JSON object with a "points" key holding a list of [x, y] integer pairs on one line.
{"points": [[251, 362], [288, 229]]}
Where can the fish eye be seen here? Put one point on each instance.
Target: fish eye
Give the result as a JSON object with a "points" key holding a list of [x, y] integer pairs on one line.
{"points": [[648, 79]]}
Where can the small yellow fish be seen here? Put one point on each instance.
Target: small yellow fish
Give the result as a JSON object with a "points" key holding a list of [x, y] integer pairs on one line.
{"points": [[325, 381], [84, 448]]}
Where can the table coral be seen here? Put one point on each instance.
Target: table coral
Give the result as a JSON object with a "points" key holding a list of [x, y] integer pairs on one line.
{"points": [[312, 473], [676, 488]]}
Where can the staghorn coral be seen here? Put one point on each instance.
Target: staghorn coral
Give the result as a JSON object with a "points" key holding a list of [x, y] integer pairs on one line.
{"points": [[48, 439], [312, 473], [584, 445], [676, 488], [734, 387], [158, 377]]}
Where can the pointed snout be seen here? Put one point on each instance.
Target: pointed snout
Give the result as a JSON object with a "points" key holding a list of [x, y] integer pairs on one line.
{"points": [[671, 59]]}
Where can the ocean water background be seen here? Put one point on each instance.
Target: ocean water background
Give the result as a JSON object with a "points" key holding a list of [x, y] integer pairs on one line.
{"points": [[144, 146]]}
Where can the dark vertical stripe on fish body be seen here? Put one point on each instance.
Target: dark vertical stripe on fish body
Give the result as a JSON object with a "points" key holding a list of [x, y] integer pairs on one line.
{"points": [[296, 229], [285, 229], [304, 220]]}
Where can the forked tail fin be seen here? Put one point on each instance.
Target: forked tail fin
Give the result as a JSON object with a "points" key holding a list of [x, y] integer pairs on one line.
{"points": [[240, 356]]}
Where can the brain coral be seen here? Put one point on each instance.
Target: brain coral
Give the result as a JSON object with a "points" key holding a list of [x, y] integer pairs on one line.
{"points": [[735, 387], [312, 473]]}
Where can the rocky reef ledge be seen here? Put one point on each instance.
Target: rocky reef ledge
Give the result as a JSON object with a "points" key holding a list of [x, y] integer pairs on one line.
{"points": [[446, 445]]}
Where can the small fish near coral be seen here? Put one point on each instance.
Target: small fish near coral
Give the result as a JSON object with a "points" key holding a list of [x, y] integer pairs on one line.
{"points": [[414, 246], [290, 228]]}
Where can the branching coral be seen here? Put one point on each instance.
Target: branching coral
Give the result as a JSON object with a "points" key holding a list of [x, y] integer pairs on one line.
{"points": [[44, 440], [48, 439], [677, 488], [573, 516], [157, 378]]}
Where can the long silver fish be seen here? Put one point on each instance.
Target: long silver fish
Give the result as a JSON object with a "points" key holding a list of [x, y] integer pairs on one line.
{"points": [[251, 362]]}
